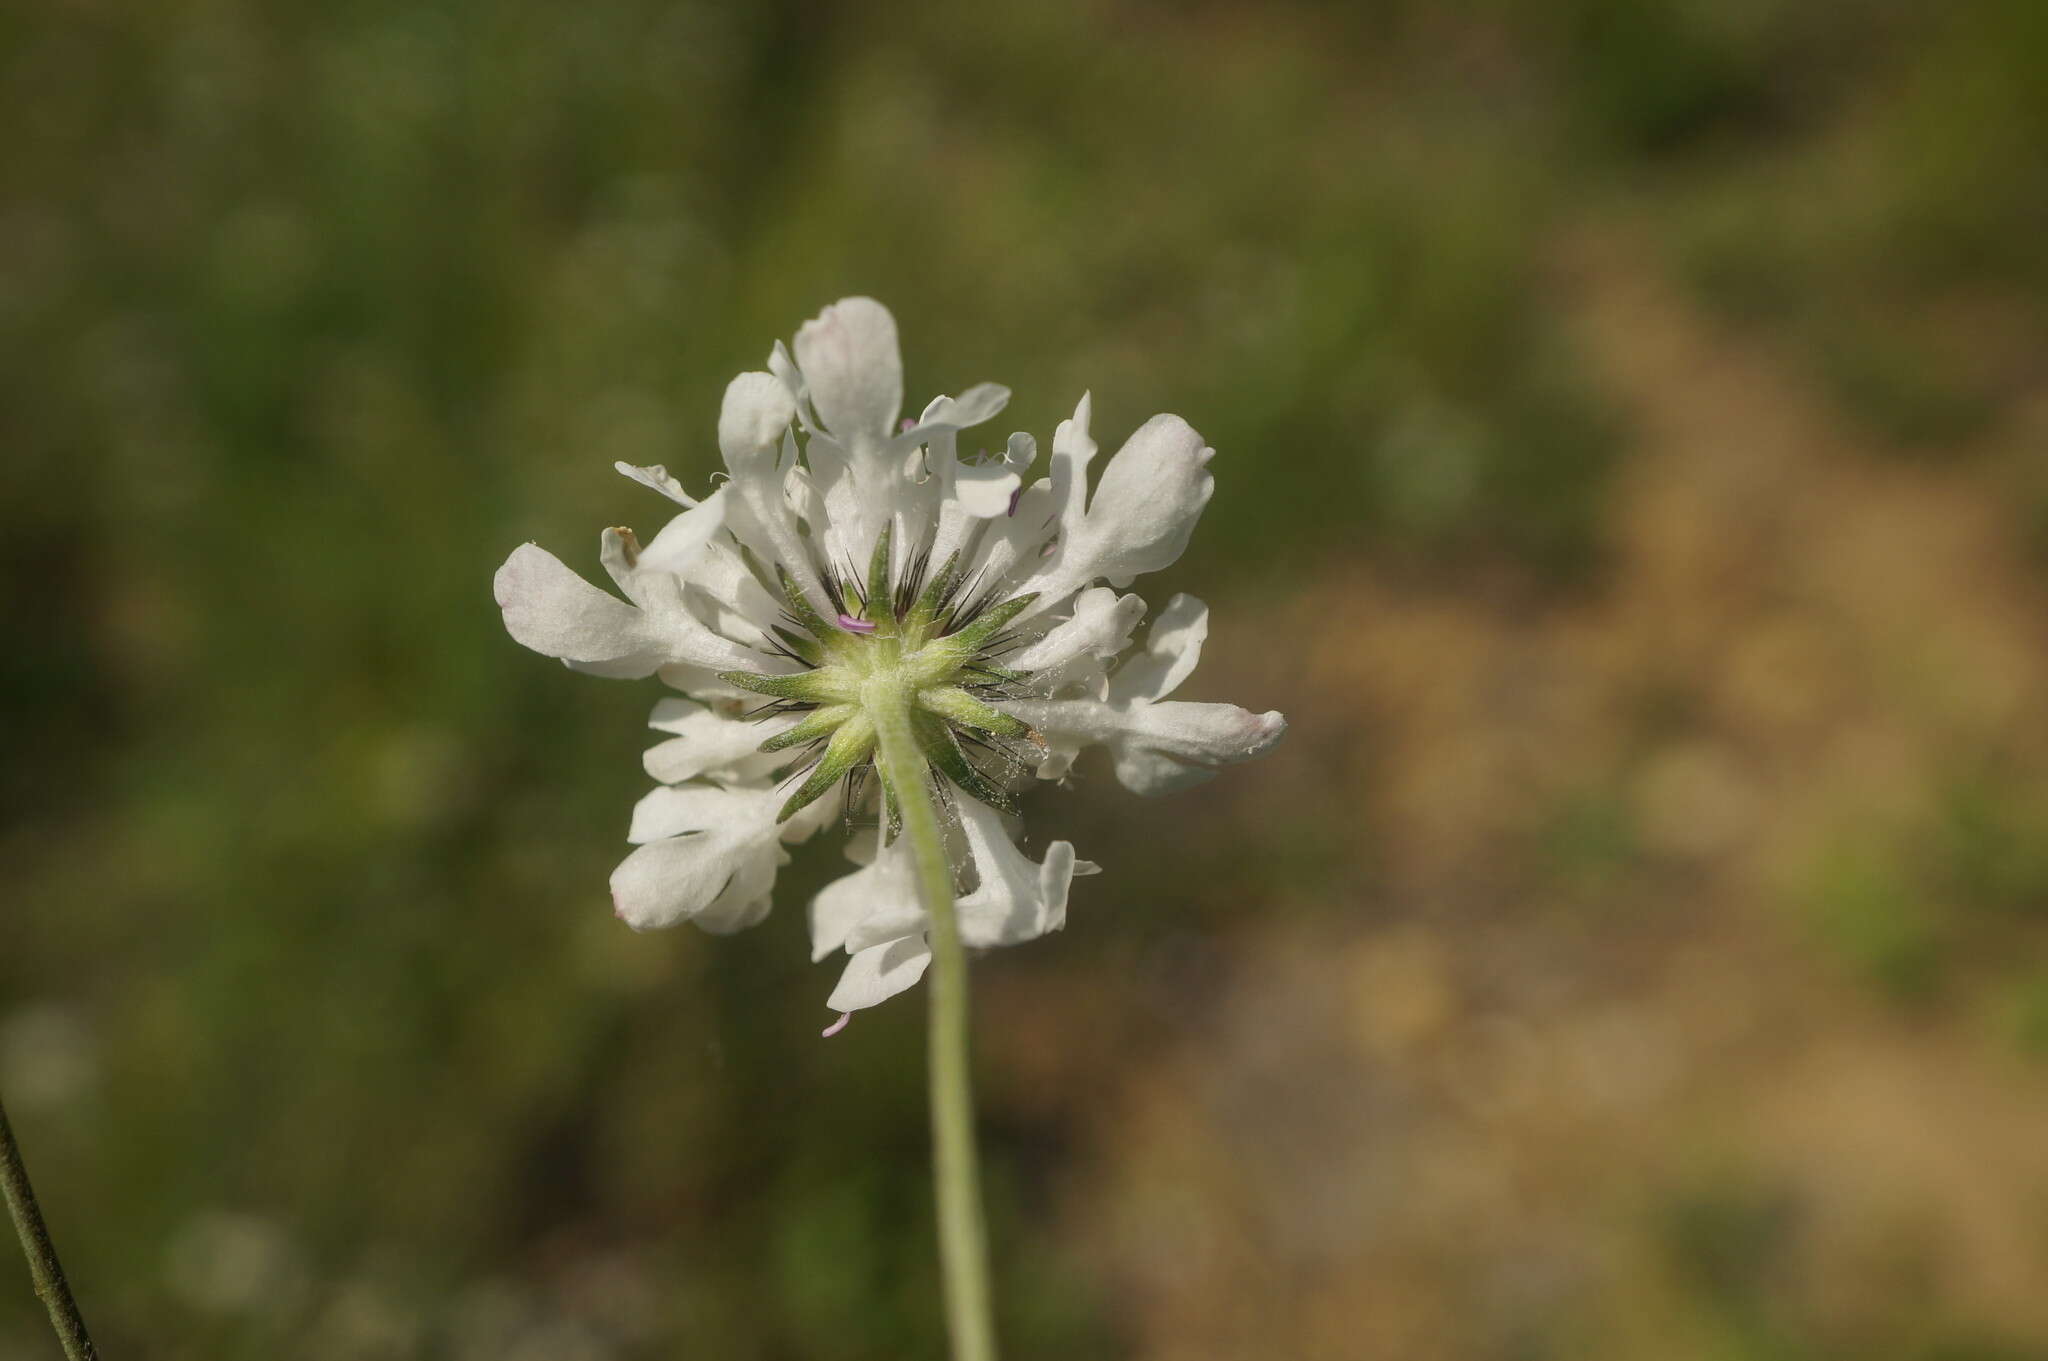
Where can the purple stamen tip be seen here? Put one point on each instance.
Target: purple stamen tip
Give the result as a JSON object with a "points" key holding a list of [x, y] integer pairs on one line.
{"points": [[837, 1025], [853, 625], [1015, 497]]}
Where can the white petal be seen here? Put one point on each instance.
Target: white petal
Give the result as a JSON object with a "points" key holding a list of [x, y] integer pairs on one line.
{"points": [[656, 476], [1017, 899], [877, 974], [706, 741], [842, 518], [729, 912], [1173, 745], [672, 715], [681, 542], [666, 882], [784, 368], [1173, 647], [759, 515], [1073, 449], [686, 810], [1141, 516], [714, 743], [1016, 545], [839, 907], [756, 410], [715, 860], [812, 818], [666, 615], [853, 369], [550, 609], [1061, 751], [1149, 498], [722, 575], [1100, 626], [986, 490], [886, 886], [1158, 747], [983, 401]]}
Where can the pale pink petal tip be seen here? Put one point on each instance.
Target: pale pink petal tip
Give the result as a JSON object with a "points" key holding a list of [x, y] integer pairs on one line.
{"points": [[905, 426], [837, 1025], [853, 625]]}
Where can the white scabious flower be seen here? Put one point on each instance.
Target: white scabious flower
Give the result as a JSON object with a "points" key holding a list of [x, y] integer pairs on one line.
{"points": [[847, 567]]}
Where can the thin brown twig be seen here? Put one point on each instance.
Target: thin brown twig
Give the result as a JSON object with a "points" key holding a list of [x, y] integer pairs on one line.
{"points": [[42, 1253]]}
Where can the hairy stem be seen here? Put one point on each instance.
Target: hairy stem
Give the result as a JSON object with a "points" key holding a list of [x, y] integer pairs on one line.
{"points": [[42, 1253], [963, 1246]]}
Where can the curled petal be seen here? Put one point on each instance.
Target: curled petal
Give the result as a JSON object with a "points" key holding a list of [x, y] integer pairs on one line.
{"points": [[835, 912], [665, 611], [710, 856], [886, 885], [1173, 648], [762, 515], [550, 609], [983, 401], [940, 485], [1015, 899], [1158, 747], [879, 973], [986, 490], [720, 587], [1100, 626], [1173, 745], [679, 547], [1073, 449], [1019, 543], [990, 488], [657, 477], [717, 588], [729, 912], [974, 494], [706, 742]]}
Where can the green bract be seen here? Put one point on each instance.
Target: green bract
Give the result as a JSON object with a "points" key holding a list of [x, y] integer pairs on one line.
{"points": [[901, 643]]}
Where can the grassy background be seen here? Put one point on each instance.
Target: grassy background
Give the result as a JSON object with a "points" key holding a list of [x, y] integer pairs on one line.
{"points": [[1631, 419]]}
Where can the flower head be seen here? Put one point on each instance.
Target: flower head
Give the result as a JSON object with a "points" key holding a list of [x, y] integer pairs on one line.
{"points": [[852, 567]]}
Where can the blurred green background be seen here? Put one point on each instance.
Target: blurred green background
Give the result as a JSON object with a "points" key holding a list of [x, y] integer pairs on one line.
{"points": [[1631, 483]]}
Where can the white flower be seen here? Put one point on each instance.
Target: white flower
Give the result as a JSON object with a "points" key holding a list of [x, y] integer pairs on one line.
{"points": [[850, 557]]}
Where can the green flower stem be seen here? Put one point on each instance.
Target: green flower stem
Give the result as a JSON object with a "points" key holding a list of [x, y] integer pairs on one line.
{"points": [[963, 1244], [42, 1253]]}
